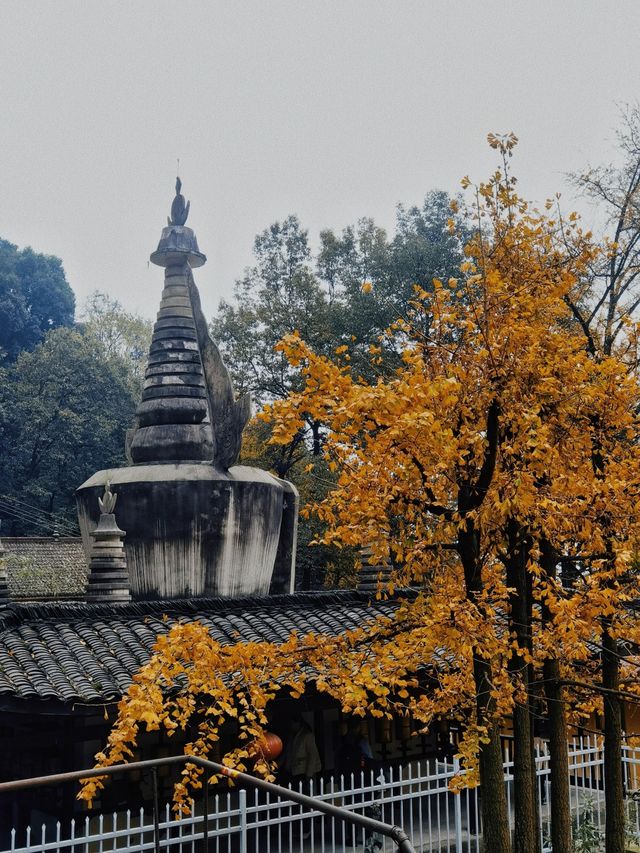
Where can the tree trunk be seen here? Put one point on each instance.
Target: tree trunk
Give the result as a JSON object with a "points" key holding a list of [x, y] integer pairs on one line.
{"points": [[526, 832], [533, 707], [613, 782], [558, 758], [496, 835], [493, 798], [560, 805]]}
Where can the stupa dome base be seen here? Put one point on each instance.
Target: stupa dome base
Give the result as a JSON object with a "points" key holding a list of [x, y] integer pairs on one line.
{"points": [[196, 530]]}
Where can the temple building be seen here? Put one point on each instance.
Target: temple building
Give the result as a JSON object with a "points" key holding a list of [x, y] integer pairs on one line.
{"points": [[181, 532]]}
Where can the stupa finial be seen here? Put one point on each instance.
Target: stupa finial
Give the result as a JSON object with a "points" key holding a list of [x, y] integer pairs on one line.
{"points": [[179, 208]]}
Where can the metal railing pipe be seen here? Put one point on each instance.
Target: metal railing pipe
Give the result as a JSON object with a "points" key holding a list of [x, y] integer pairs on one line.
{"points": [[395, 833]]}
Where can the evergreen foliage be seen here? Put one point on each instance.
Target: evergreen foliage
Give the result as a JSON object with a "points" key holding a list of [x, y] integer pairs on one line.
{"points": [[34, 298]]}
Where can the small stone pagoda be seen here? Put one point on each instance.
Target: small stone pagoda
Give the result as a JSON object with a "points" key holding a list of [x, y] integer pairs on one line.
{"points": [[108, 579], [196, 523]]}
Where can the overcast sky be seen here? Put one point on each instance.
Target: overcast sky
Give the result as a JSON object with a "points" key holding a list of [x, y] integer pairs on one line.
{"points": [[331, 110]]}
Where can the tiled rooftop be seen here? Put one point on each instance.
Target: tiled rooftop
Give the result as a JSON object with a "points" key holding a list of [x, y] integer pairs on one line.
{"points": [[45, 567], [79, 652]]}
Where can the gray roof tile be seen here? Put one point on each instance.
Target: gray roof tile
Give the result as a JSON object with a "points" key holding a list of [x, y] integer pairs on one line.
{"points": [[78, 652]]}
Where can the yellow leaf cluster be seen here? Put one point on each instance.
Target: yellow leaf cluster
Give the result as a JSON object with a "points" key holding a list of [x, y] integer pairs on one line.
{"points": [[498, 417]]}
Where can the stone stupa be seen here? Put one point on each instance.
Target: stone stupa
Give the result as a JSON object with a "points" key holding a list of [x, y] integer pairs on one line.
{"points": [[196, 523]]}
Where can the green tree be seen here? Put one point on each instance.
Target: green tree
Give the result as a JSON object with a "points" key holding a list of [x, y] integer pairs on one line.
{"points": [[64, 409], [371, 278], [280, 293], [121, 335], [35, 297]]}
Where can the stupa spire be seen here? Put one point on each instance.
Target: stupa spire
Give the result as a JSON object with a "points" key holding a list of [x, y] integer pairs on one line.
{"points": [[173, 414]]}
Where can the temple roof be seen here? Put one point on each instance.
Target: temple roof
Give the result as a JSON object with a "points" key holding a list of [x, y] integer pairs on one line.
{"points": [[88, 653]]}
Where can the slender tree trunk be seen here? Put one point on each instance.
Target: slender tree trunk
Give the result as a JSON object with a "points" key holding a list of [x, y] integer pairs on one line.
{"points": [[560, 805], [526, 833], [496, 833], [613, 782], [558, 758], [493, 799], [533, 708], [317, 439]]}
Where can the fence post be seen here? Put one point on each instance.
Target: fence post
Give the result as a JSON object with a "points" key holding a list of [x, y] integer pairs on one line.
{"points": [[205, 816], [457, 809], [156, 810], [242, 804]]}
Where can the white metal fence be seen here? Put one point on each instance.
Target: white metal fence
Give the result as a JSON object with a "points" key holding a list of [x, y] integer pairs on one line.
{"points": [[415, 796]]}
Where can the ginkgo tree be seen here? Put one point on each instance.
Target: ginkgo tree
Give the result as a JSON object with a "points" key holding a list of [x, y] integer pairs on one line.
{"points": [[471, 471]]}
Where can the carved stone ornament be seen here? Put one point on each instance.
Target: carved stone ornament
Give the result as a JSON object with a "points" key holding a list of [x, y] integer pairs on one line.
{"points": [[107, 502]]}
